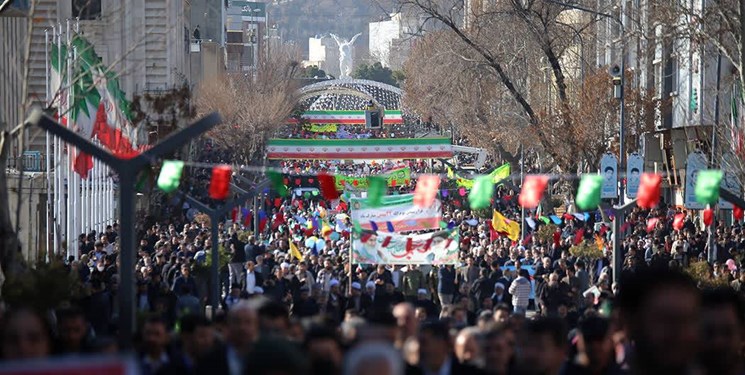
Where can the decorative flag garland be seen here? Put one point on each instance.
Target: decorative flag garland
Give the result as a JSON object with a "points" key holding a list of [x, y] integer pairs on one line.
{"points": [[220, 182], [170, 175]]}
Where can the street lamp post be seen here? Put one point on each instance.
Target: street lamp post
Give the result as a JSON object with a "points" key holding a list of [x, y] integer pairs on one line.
{"points": [[618, 81]]}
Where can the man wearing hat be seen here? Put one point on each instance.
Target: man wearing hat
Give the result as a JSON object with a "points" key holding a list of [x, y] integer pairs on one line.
{"points": [[423, 301], [358, 301]]}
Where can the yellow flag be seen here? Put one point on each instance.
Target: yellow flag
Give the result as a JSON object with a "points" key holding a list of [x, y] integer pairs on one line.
{"points": [[505, 226], [295, 252], [451, 174], [513, 230], [499, 222], [500, 173]]}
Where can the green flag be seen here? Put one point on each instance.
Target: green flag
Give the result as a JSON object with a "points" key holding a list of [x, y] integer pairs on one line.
{"points": [[277, 183], [480, 196], [545, 220], [376, 190], [707, 186], [170, 175], [588, 193]]}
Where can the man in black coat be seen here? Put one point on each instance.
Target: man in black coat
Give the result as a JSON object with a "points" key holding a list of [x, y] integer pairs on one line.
{"points": [[241, 334], [436, 353]]}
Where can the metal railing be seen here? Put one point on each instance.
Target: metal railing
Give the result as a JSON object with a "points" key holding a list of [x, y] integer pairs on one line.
{"points": [[32, 161]]}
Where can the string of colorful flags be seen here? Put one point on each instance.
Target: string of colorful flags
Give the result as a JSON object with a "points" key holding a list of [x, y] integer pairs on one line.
{"points": [[588, 196]]}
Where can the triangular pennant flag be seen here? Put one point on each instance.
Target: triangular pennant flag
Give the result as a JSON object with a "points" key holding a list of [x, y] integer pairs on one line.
{"points": [[545, 220], [376, 189], [555, 219], [426, 190], [648, 195], [580, 216], [588, 193], [480, 196], [327, 183], [737, 213], [532, 191], [277, 183], [220, 182], [707, 186], [389, 225], [652, 223], [678, 221], [170, 175]]}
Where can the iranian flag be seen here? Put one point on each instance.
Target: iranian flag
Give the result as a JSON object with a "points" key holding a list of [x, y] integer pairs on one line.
{"points": [[98, 108]]}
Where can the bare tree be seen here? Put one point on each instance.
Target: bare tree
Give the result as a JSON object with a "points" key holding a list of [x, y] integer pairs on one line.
{"points": [[252, 107]]}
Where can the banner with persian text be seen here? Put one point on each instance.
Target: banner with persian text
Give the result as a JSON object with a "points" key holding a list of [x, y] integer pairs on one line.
{"points": [[396, 212], [432, 248]]}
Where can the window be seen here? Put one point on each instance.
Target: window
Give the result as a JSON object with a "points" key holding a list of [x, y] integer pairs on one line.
{"points": [[86, 9]]}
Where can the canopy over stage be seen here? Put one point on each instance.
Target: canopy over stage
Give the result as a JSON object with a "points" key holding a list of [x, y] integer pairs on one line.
{"points": [[355, 149]]}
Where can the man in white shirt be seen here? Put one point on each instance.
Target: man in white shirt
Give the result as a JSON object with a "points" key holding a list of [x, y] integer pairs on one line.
{"points": [[252, 278]]}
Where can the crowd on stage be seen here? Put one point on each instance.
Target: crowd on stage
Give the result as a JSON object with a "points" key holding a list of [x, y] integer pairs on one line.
{"points": [[531, 306], [296, 131]]}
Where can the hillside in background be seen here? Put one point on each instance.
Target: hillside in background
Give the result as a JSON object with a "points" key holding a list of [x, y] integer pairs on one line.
{"points": [[299, 20]]}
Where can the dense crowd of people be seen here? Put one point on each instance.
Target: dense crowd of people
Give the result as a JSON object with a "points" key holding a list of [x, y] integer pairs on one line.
{"points": [[534, 306]]}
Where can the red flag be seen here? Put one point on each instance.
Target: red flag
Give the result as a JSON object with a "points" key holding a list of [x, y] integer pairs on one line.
{"points": [[327, 183], [708, 216], [652, 223], [678, 221], [532, 190], [220, 182], [579, 236], [426, 190], [648, 194], [737, 213], [83, 164]]}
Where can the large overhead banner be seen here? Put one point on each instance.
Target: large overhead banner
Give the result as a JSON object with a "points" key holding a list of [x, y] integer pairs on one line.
{"points": [[392, 116], [359, 149], [433, 248], [397, 212]]}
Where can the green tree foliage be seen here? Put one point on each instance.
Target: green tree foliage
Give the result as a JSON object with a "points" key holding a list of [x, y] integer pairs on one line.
{"points": [[313, 72], [375, 72]]}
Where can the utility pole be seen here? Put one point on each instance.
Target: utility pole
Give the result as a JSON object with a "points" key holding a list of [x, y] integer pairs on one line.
{"points": [[216, 215], [127, 169]]}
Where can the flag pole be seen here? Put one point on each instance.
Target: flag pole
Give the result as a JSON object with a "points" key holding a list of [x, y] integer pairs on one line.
{"points": [[58, 163], [47, 148], [70, 232]]}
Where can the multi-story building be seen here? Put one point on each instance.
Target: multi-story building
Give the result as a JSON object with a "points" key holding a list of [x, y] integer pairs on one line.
{"points": [[246, 35], [145, 41], [323, 52], [391, 40]]}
